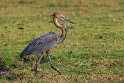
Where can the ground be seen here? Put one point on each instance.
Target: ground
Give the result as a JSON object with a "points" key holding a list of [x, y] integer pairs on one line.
{"points": [[93, 51]]}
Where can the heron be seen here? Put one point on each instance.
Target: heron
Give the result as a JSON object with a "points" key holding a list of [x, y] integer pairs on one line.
{"points": [[43, 44]]}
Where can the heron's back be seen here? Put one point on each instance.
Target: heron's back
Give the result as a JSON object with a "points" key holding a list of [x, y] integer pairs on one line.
{"points": [[41, 44]]}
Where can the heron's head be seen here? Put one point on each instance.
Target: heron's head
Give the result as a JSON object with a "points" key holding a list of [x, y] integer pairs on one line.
{"points": [[62, 17]]}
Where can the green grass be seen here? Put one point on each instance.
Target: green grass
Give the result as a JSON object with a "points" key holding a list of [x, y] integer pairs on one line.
{"points": [[93, 51]]}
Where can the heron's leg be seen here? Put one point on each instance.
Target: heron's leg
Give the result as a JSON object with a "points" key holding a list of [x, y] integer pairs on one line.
{"points": [[37, 63], [44, 59], [51, 65]]}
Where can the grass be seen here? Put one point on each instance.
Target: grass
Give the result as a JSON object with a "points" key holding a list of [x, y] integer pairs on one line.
{"points": [[92, 53]]}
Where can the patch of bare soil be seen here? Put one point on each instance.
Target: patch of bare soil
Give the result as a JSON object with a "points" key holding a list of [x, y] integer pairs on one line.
{"points": [[3, 69]]}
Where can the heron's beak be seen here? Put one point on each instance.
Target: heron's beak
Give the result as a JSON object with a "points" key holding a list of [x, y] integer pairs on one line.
{"points": [[66, 19]]}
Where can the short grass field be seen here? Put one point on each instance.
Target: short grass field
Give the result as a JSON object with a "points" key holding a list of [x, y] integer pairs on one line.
{"points": [[93, 51]]}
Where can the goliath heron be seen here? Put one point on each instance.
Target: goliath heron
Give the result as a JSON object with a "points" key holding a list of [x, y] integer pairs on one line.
{"points": [[44, 43]]}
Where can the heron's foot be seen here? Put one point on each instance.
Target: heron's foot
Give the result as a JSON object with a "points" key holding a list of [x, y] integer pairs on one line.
{"points": [[56, 69]]}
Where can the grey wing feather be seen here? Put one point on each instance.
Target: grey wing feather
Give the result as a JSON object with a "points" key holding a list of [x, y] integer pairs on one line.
{"points": [[41, 44]]}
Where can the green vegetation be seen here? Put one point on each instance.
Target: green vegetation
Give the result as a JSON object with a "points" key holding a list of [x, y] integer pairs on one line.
{"points": [[92, 53]]}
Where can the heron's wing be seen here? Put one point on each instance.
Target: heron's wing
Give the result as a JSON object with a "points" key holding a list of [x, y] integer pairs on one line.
{"points": [[41, 44]]}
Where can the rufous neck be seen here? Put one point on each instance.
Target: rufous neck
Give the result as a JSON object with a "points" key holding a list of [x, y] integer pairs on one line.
{"points": [[55, 20]]}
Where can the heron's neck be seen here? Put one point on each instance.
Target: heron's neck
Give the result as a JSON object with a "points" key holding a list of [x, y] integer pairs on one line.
{"points": [[55, 20]]}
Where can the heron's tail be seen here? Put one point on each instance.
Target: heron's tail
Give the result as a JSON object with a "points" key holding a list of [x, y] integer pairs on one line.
{"points": [[24, 53], [27, 51]]}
